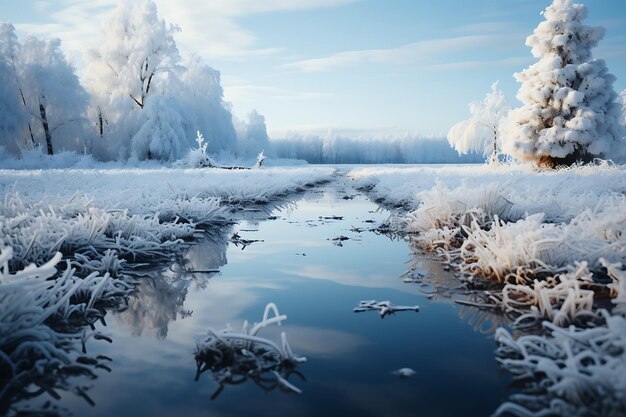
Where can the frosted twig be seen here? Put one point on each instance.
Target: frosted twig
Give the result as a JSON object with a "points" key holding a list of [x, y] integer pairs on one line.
{"points": [[234, 357], [384, 307]]}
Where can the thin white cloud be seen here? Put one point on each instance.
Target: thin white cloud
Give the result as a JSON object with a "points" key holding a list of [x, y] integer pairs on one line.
{"points": [[423, 52], [209, 27]]}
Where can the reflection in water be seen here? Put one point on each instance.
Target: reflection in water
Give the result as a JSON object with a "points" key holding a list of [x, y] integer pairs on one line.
{"points": [[153, 307], [45, 317], [233, 358], [440, 284], [162, 295]]}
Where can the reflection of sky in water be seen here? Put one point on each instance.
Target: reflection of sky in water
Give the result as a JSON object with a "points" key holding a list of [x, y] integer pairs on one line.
{"points": [[350, 355]]}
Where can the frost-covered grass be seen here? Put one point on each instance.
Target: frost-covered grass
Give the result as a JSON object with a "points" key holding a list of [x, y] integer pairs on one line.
{"points": [[551, 246], [514, 208], [139, 213], [570, 371], [104, 223], [511, 224], [138, 188], [234, 357], [43, 313]]}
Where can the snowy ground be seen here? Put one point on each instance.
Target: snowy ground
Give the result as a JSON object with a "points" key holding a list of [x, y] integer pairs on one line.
{"points": [[128, 209]]}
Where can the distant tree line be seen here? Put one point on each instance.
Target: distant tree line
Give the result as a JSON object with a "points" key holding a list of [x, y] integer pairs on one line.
{"points": [[338, 149]]}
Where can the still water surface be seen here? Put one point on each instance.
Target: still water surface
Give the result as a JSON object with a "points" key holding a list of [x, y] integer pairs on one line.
{"points": [[316, 283]]}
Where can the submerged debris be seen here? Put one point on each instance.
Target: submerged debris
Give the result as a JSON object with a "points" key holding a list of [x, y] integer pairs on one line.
{"points": [[384, 307], [403, 373], [244, 243], [233, 357], [331, 217]]}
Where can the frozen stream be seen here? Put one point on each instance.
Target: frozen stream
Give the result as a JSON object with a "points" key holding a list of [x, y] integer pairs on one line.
{"points": [[316, 282]]}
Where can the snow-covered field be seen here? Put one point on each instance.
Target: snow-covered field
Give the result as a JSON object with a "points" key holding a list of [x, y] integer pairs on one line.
{"points": [[133, 210], [549, 248]]}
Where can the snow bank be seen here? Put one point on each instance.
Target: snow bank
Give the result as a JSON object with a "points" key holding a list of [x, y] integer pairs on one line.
{"points": [[508, 223], [138, 213]]}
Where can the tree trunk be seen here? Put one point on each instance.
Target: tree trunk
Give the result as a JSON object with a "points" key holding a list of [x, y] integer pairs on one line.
{"points": [[46, 129], [100, 123], [494, 154], [551, 162], [30, 130]]}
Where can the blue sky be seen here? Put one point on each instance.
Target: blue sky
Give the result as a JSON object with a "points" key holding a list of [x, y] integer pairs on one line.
{"points": [[355, 66]]}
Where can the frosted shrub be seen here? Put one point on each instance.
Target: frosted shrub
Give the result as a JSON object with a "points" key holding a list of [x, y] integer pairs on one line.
{"points": [[481, 132], [443, 212], [198, 158], [259, 160], [233, 357]]}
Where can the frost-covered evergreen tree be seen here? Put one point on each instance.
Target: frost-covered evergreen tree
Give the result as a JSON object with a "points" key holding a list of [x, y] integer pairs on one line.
{"points": [[481, 132], [569, 110], [51, 102]]}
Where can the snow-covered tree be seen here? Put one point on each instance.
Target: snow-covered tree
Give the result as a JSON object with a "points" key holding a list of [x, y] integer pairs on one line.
{"points": [[136, 54], [50, 100], [13, 114], [138, 62], [252, 135], [161, 131], [201, 90], [481, 132], [569, 110], [622, 97]]}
